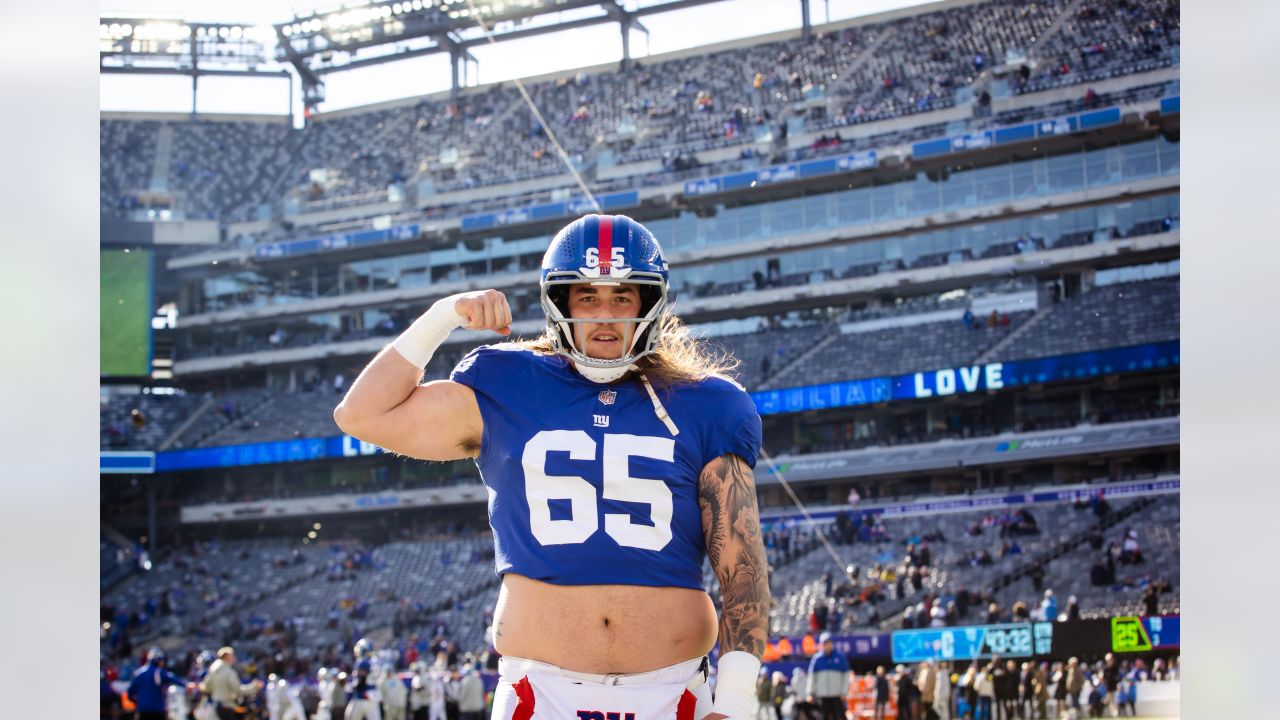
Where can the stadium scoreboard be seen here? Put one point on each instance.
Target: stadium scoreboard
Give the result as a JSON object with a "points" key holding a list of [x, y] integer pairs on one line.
{"points": [[974, 642]]}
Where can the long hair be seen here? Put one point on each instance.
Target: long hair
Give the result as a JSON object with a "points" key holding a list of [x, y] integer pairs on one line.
{"points": [[679, 359]]}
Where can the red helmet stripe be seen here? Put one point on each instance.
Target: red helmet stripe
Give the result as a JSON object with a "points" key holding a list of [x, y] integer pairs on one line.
{"points": [[604, 241]]}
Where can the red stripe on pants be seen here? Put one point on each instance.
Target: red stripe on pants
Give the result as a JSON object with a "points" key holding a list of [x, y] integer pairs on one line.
{"points": [[524, 696], [688, 701]]}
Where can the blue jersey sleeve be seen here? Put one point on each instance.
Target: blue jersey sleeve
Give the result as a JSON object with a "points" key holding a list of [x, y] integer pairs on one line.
{"points": [[466, 372], [735, 424]]}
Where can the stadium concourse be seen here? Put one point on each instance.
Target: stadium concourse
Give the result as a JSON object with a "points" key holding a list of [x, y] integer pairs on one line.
{"points": [[943, 244]]}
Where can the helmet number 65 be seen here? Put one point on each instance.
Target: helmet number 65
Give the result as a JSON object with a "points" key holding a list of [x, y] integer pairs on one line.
{"points": [[615, 257]]}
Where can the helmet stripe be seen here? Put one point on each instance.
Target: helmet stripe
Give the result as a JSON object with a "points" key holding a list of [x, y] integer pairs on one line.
{"points": [[604, 241]]}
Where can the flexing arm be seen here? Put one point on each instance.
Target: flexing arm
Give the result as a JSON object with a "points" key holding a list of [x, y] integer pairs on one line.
{"points": [[438, 420], [731, 526]]}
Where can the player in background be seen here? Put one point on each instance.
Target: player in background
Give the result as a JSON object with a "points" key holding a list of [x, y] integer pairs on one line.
{"points": [[420, 691], [438, 689], [147, 687], [203, 703], [617, 456], [362, 695], [177, 707], [273, 697], [290, 701], [324, 689]]}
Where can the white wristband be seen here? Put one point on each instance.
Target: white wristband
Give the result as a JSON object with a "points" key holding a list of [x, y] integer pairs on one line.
{"points": [[418, 343], [736, 675]]}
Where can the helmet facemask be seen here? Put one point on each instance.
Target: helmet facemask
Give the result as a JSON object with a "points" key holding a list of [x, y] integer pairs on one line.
{"points": [[640, 335]]}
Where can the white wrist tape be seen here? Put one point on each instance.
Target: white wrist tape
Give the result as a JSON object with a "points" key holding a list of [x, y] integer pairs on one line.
{"points": [[418, 343], [736, 675]]}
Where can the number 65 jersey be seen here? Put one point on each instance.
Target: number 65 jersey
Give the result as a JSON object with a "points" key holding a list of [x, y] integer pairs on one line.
{"points": [[586, 484]]}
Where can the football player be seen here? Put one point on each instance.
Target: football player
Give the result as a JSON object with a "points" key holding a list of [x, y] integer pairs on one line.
{"points": [[324, 688], [362, 695], [616, 457]]}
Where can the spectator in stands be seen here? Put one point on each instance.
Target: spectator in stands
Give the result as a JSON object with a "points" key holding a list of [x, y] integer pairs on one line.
{"points": [[1130, 552], [1151, 600], [1073, 608], [147, 688], [1049, 607], [828, 679]]}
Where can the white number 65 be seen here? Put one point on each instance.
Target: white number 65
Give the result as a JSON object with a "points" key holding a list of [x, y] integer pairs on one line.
{"points": [[583, 520], [615, 257]]}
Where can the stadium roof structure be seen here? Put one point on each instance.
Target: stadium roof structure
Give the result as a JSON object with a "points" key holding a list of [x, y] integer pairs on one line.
{"points": [[357, 34]]}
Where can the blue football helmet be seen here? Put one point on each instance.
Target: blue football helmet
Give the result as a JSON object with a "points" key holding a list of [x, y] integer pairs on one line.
{"points": [[363, 648], [605, 250]]}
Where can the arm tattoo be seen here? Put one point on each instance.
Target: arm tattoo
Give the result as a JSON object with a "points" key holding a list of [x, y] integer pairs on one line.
{"points": [[731, 527]]}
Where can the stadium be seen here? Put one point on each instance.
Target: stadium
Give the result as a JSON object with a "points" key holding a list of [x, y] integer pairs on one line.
{"points": [[942, 243]]}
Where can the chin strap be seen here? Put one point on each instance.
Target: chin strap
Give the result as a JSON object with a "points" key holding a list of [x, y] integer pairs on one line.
{"points": [[658, 408]]}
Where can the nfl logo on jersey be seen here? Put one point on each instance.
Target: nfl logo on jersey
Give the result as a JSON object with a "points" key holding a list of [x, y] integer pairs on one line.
{"points": [[608, 396]]}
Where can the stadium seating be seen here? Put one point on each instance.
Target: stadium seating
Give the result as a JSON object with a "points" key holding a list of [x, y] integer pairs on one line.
{"points": [[159, 416], [678, 106], [891, 351], [1159, 538], [128, 150], [180, 594], [215, 163], [958, 563], [1106, 39], [1104, 317], [244, 591]]}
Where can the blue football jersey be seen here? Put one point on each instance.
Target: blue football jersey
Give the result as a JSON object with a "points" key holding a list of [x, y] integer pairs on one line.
{"points": [[586, 485]]}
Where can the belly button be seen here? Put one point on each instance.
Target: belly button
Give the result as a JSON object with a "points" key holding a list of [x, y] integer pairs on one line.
{"points": [[606, 622]]}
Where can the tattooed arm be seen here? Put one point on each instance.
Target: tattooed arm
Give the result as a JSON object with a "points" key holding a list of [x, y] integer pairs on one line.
{"points": [[731, 526]]}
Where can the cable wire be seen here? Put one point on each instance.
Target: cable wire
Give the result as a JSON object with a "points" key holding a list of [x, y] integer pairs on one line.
{"points": [[764, 454], [564, 156]]}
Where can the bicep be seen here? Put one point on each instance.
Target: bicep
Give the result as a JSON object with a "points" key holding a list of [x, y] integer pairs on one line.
{"points": [[730, 516], [440, 420]]}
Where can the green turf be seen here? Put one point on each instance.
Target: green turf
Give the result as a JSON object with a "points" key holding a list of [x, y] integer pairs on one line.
{"points": [[125, 313]]}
